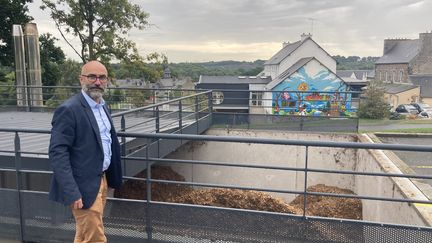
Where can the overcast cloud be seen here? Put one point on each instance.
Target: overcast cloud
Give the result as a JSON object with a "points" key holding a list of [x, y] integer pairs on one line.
{"points": [[213, 30]]}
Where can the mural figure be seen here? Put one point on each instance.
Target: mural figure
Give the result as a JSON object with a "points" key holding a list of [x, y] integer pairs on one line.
{"points": [[301, 94]]}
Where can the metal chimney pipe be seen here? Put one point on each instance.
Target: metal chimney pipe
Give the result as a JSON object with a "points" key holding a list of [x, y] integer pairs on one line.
{"points": [[34, 72], [20, 67]]}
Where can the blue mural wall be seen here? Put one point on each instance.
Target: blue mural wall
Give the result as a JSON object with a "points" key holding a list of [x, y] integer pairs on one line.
{"points": [[317, 95]]}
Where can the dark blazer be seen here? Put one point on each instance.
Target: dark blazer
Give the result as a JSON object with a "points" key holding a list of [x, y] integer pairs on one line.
{"points": [[76, 154]]}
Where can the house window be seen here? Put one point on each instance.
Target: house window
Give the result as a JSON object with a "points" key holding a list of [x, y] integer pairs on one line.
{"points": [[400, 75], [386, 76], [256, 99], [380, 75]]}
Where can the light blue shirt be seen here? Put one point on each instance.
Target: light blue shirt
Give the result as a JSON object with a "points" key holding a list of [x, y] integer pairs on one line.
{"points": [[104, 127]]}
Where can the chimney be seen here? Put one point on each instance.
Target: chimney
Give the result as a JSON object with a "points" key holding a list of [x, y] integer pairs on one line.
{"points": [[305, 36], [285, 44], [20, 66], [34, 73], [426, 42]]}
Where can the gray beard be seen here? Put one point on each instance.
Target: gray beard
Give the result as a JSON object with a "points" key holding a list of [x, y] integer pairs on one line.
{"points": [[93, 92]]}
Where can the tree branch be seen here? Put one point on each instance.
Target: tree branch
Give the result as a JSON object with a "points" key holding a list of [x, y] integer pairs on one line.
{"points": [[64, 37]]}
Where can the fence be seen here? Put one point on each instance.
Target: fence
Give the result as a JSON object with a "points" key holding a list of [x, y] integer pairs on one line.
{"points": [[127, 220], [256, 109]]}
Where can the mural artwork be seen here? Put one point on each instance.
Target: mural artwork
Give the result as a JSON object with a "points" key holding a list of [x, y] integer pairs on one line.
{"points": [[320, 95]]}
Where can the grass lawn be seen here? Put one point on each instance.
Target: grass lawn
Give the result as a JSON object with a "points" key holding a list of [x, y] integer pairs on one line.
{"points": [[389, 122], [404, 130]]}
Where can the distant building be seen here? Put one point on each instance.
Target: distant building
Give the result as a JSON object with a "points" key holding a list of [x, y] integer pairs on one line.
{"points": [[228, 91], [356, 79], [292, 77], [402, 63]]}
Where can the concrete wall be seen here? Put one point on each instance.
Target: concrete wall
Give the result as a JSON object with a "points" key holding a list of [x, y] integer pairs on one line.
{"points": [[294, 156], [269, 155], [388, 212]]}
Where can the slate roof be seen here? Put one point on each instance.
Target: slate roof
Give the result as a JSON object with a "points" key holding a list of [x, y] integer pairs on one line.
{"points": [[402, 52], [300, 63], [354, 81], [357, 73], [398, 88], [166, 82], [425, 83], [284, 52], [234, 80]]}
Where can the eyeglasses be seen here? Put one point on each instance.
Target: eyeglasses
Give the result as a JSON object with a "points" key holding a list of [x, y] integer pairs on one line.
{"points": [[94, 77]]}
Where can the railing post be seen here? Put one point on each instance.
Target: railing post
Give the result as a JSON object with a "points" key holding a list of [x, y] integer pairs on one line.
{"points": [[149, 227], [157, 128], [301, 123], [18, 183], [123, 141], [197, 113], [29, 101], [210, 102], [180, 117], [154, 102], [305, 182]]}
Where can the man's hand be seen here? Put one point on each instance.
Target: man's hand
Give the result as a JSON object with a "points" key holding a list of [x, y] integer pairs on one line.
{"points": [[77, 204]]}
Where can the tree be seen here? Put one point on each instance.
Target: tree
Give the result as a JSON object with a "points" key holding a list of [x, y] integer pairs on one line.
{"points": [[138, 68], [374, 106], [51, 57], [11, 12], [7, 89], [100, 25]]}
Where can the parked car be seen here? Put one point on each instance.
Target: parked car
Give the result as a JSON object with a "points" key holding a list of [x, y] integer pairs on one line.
{"points": [[406, 109], [424, 109]]}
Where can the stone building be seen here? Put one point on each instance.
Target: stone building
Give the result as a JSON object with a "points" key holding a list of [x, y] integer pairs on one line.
{"points": [[404, 57], [402, 60]]}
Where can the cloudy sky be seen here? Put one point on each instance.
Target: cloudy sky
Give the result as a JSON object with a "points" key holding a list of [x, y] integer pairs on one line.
{"points": [[246, 30]]}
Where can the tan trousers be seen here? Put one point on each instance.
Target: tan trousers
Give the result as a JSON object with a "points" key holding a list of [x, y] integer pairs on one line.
{"points": [[89, 224]]}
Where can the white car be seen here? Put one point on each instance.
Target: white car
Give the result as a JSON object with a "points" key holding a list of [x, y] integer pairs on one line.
{"points": [[423, 109]]}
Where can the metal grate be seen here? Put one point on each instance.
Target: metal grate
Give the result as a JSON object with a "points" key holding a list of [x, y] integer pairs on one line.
{"points": [[137, 221]]}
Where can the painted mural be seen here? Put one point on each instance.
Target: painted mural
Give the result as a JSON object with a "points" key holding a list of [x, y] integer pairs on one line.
{"points": [[319, 95]]}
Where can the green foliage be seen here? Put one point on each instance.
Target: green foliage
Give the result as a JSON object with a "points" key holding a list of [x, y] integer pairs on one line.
{"points": [[51, 57], [11, 12], [139, 97], [138, 68], [100, 25], [230, 68], [355, 62], [7, 90], [374, 106], [70, 70]]}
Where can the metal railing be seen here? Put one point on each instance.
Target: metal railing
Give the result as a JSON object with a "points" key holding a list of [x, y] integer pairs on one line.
{"points": [[250, 109], [139, 220]]}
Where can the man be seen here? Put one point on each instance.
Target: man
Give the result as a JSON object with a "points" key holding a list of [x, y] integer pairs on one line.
{"points": [[84, 153]]}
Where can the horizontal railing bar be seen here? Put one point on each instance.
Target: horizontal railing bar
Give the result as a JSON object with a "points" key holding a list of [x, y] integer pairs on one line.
{"points": [[158, 104], [289, 191], [214, 163], [237, 139]]}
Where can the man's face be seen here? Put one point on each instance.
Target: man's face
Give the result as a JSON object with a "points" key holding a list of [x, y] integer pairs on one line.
{"points": [[94, 80]]}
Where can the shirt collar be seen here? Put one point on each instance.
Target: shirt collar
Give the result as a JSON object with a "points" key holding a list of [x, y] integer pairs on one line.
{"points": [[91, 102]]}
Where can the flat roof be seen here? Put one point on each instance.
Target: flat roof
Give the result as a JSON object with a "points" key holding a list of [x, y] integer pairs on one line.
{"points": [[38, 143]]}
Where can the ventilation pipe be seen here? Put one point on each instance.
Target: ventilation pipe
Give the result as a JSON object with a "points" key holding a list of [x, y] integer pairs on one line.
{"points": [[20, 68]]}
